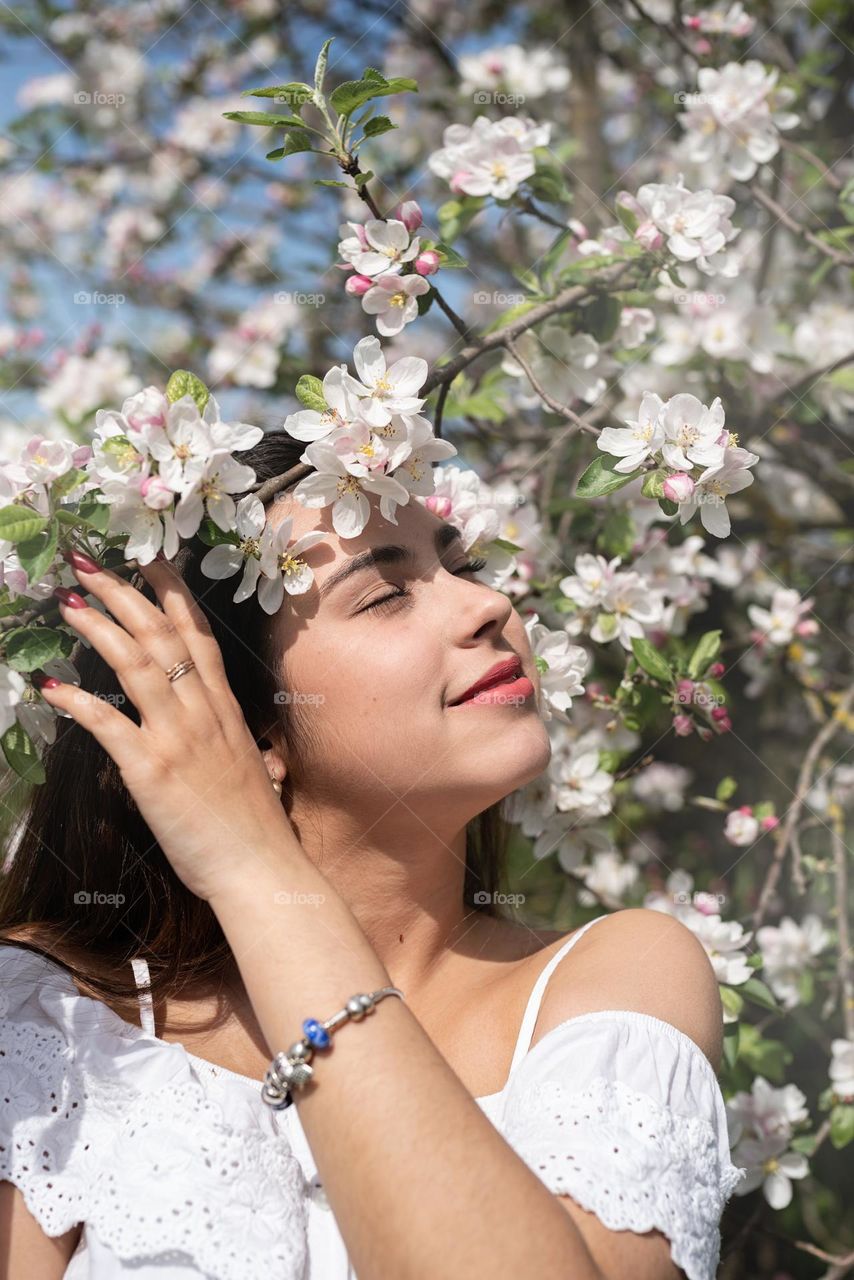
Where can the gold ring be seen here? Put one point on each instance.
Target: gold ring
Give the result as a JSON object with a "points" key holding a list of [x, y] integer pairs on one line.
{"points": [[180, 669]]}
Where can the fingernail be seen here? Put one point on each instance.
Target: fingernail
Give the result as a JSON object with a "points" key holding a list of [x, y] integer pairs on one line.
{"points": [[80, 560], [71, 598], [45, 682]]}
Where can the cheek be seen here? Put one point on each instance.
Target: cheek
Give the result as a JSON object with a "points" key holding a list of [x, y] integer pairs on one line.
{"points": [[369, 683]]}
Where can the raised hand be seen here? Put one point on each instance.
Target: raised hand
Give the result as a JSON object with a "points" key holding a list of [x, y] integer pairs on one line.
{"points": [[191, 765]]}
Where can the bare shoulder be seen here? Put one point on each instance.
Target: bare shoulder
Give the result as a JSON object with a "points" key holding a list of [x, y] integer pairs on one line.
{"points": [[643, 960]]}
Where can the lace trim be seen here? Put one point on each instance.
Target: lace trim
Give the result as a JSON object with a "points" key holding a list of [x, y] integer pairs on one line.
{"points": [[630, 1160], [112, 1157]]}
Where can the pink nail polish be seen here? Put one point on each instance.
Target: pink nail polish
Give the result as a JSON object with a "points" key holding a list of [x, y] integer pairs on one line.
{"points": [[71, 598]]}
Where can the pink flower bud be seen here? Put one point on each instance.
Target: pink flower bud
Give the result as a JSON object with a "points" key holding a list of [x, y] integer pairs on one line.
{"points": [[456, 182], [703, 46], [705, 734], [409, 214], [442, 507], [716, 670], [723, 724], [649, 236], [692, 21], [357, 284], [678, 487], [746, 809], [685, 691], [769, 823], [683, 726], [156, 493], [806, 627], [720, 713], [428, 262]]}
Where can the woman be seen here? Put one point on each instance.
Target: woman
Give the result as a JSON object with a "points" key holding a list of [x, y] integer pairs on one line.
{"points": [[525, 1106]]}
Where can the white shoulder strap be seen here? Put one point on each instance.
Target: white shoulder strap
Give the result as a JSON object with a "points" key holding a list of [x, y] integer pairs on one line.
{"points": [[146, 1004], [529, 1020]]}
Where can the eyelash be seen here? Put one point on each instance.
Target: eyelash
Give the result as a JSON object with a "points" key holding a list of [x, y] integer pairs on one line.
{"points": [[471, 566]]}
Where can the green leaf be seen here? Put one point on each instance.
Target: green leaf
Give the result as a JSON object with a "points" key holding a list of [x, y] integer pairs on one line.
{"points": [[28, 648], [318, 182], [732, 1039], [38, 554], [653, 484], [66, 483], [354, 93], [708, 648], [757, 991], [450, 258], [601, 317], [554, 253], [212, 536], [297, 140], [628, 219], [654, 663], [294, 94], [361, 179], [669, 508], [309, 391], [601, 478], [379, 124], [265, 118], [20, 751], [618, 533], [505, 545], [184, 383], [726, 788], [842, 1125], [94, 513], [320, 65], [731, 1000], [371, 73], [20, 524]]}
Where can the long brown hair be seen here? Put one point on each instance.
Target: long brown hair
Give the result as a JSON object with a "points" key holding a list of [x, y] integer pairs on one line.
{"points": [[87, 885]]}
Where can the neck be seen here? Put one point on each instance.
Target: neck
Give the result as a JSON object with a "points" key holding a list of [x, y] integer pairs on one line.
{"points": [[404, 883]]}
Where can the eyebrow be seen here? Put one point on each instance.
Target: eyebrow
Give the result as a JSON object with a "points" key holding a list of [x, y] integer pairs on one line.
{"points": [[390, 554]]}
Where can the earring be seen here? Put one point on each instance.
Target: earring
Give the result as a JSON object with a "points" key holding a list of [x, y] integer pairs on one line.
{"points": [[277, 786]]}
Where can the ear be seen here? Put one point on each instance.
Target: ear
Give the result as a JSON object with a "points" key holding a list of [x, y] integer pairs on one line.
{"points": [[274, 759]]}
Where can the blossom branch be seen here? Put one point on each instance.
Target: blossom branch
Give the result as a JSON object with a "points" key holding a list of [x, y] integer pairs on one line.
{"points": [[805, 780]]}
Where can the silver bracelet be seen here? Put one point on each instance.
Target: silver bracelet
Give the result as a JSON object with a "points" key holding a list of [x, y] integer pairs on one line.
{"points": [[291, 1070]]}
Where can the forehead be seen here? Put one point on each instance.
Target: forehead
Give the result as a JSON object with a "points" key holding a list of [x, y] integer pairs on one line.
{"points": [[416, 529]]}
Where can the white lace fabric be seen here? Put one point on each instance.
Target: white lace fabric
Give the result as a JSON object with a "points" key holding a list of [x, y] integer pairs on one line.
{"points": [[624, 1113], [175, 1172]]}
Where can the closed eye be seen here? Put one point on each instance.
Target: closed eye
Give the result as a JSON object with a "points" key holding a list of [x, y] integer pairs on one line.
{"points": [[471, 566]]}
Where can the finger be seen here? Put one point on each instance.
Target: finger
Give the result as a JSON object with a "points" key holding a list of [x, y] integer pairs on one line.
{"points": [[153, 630], [131, 608], [140, 674], [116, 733]]}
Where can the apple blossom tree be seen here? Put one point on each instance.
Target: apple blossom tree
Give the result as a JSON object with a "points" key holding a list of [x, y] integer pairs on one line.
{"points": [[587, 293]]}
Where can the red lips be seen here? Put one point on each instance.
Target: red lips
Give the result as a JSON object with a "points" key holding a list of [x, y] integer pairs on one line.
{"points": [[502, 671]]}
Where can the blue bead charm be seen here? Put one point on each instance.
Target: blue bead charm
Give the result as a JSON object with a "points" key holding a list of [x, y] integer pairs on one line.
{"points": [[315, 1033]]}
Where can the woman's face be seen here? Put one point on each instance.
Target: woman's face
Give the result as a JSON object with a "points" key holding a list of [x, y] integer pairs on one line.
{"points": [[370, 673]]}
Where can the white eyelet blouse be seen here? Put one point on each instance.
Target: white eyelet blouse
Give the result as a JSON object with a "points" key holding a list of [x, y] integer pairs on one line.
{"points": [[178, 1169]]}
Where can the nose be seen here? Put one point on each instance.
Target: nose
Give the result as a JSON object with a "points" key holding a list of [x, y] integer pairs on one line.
{"points": [[477, 610]]}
